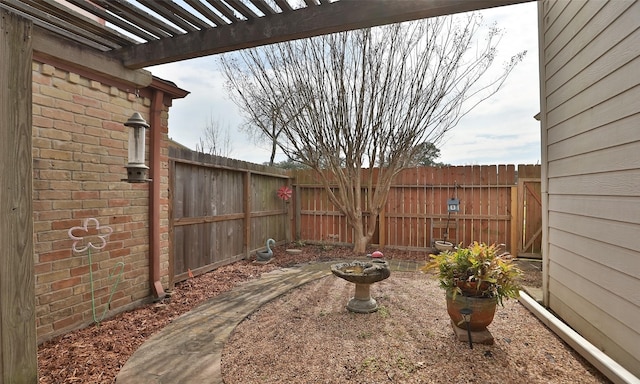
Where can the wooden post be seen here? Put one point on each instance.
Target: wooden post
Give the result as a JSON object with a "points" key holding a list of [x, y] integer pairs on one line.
{"points": [[289, 219], [172, 244], [154, 194], [298, 215], [18, 347], [515, 222], [247, 214]]}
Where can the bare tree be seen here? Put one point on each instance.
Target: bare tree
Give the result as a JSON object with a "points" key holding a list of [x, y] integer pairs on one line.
{"points": [[255, 100], [369, 98], [216, 140]]}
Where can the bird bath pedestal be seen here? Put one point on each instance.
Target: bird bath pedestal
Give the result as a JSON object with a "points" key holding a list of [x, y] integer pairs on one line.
{"points": [[362, 274]]}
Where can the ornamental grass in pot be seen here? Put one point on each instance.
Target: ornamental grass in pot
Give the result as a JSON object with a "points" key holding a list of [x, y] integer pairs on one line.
{"points": [[477, 277]]}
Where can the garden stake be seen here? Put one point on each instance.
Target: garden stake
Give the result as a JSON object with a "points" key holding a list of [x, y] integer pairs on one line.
{"points": [[466, 315], [120, 265]]}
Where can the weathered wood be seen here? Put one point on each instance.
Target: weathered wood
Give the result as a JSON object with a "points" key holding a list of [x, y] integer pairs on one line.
{"points": [[18, 358], [513, 244], [171, 240], [222, 208], [304, 22]]}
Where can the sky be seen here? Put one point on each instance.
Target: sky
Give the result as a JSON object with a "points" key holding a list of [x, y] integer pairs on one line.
{"points": [[501, 130]]}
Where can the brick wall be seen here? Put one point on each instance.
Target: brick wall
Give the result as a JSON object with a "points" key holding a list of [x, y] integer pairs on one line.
{"points": [[79, 153]]}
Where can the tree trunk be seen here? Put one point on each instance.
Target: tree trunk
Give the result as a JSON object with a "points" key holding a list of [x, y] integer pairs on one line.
{"points": [[360, 244], [360, 239]]}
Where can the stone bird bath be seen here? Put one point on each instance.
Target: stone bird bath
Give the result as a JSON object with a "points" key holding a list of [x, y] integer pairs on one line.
{"points": [[362, 274]]}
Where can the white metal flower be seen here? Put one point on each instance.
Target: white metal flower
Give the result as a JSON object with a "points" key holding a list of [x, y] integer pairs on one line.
{"points": [[89, 235]]}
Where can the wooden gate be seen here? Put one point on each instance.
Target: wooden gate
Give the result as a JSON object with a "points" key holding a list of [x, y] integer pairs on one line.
{"points": [[529, 217]]}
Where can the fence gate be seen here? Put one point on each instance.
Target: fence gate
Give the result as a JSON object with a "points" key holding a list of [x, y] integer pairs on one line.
{"points": [[530, 218]]}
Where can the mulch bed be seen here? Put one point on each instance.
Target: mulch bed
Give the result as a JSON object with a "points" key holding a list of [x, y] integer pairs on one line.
{"points": [[95, 354]]}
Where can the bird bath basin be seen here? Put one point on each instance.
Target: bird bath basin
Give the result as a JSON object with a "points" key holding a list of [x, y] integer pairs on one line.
{"points": [[362, 274]]}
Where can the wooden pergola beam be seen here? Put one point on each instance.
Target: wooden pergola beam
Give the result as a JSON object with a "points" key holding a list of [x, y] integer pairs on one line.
{"points": [[343, 15]]}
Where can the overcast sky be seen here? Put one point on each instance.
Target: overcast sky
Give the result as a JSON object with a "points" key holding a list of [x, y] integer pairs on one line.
{"points": [[502, 130]]}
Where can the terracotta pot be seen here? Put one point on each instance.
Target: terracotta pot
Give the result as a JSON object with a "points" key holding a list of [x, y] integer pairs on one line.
{"points": [[483, 310]]}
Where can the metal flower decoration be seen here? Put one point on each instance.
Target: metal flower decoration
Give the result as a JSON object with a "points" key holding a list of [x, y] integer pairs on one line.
{"points": [[93, 236], [90, 235], [285, 193]]}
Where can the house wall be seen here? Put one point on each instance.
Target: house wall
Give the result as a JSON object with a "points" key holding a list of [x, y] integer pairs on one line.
{"points": [[590, 109], [79, 153]]}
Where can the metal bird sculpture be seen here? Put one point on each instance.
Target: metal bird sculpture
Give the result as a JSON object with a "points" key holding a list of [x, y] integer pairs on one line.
{"points": [[264, 256]]}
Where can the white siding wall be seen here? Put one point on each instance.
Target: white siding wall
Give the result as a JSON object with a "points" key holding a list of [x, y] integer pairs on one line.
{"points": [[590, 96]]}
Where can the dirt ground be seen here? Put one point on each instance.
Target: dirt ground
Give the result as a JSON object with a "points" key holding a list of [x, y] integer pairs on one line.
{"points": [[96, 353]]}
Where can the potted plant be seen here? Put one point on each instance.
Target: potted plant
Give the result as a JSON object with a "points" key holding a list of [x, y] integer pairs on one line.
{"points": [[478, 278]]}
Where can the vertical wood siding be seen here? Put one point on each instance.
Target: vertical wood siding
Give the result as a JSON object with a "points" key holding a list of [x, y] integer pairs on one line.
{"points": [[590, 58]]}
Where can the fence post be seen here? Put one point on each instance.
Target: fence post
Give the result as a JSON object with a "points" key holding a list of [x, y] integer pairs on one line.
{"points": [[247, 213], [297, 213], [515, 222]]}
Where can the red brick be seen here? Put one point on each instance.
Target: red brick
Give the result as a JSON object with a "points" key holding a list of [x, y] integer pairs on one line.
{"points": [[120, 252], [98, 113], [66, 322], [43, 122], [52, 215], [67, 146], [86, 213], [57, 114], [55, 154], [82, 195], [94, 94], [50, 297], [54, 255], [85, 139], [118, 144], [68, 127], [51, 277], [40, 78], [95, 167], [88, 121], [41, 268], [54, 195], [87, 101], [65, 224], [54, 174], [79, 271], [118, 202], [120, 236], [69, 106]]}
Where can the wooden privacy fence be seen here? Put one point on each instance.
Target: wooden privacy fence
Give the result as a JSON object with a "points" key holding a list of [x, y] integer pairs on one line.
{"points": [[494, 208], [221, 210]]}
